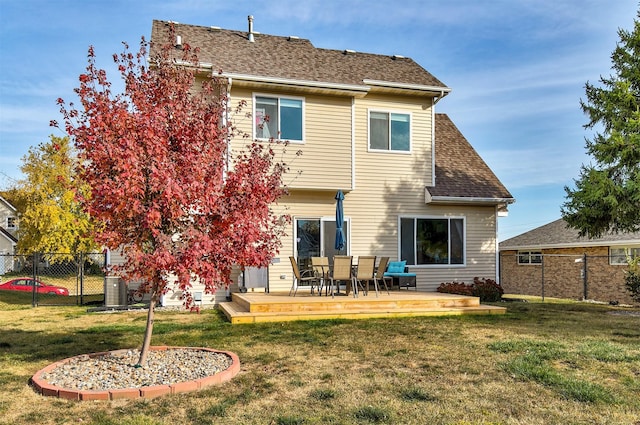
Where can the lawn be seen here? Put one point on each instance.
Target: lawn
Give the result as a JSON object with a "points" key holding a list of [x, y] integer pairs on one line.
{"points": [[541, 363]]}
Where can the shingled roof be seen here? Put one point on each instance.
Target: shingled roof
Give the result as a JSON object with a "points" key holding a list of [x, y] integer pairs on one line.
{"points": [[231, 52], [460, 171], [558, 234]]}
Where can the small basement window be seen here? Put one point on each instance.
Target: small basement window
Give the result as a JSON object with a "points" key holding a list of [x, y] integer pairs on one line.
{"points": [[529, 257], [620, 256]]}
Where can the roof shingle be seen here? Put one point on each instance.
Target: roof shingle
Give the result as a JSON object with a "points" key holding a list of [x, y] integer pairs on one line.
{"points": [[460, 171], [559, 234], [292, 58]]}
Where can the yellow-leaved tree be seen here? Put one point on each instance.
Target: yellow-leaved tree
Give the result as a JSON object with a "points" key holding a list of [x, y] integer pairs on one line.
{"points": [[52, 220]]}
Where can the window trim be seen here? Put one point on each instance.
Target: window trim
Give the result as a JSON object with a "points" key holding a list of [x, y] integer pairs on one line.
{"points": [[254, 126], [627, 252], [530, 255], [389, 112], [15, 222], [434, 217]]}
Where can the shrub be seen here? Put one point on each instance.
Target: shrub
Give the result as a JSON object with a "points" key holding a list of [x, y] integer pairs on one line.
{"points": [[488, 290], [459, 288], [632, 282]]}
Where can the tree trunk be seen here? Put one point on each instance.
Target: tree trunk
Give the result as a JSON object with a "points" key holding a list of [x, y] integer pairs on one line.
{"points": [[146, 343]]}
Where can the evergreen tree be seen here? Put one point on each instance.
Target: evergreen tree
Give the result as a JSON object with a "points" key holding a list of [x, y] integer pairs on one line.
{"points": [[607, 194]]}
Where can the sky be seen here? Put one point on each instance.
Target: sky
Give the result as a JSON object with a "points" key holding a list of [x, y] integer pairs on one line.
{"points": [[517, 69]]}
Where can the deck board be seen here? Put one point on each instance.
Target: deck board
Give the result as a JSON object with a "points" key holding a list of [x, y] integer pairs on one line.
{"points": [[254, 307]]}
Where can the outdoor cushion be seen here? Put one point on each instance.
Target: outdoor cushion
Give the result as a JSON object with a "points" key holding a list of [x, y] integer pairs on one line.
{"points": [[396, 267], [400, 274]]}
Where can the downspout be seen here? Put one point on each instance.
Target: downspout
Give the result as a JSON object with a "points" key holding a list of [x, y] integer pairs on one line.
{"points": [[497, 246], [433, 141], [353, 143], [226, 119]]}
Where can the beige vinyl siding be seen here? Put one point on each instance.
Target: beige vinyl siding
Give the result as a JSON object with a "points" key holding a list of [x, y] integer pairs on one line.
{"points": [[326, 153], [374, 168], [298, 204]]}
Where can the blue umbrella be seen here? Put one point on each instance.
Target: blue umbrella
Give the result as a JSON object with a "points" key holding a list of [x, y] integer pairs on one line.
{"points": [[340, 239]]}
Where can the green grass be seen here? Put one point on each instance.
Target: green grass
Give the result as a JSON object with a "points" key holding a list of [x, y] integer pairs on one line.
{"points": [[541, 363]]}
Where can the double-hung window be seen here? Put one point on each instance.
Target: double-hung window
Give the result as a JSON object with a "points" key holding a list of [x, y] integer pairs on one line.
{"points": [[278, 117], [389, 131], [432, 240]]}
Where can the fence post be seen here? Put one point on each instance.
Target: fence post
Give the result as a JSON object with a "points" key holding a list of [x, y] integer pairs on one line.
{"points": [[542, 268], [81, 275], [36, 261], [584, 276]]}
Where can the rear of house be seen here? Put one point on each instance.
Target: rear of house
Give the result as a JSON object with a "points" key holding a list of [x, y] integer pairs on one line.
{"points": [[366, 124]]}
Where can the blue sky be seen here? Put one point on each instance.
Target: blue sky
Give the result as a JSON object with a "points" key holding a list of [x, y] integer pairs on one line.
{"points": [[517, 68]]}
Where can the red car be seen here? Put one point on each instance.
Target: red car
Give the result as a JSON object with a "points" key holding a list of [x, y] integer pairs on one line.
{"points": [[26, 284]]}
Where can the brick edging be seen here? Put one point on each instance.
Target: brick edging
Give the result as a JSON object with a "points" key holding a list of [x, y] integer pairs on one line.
{"points": [[46, 389]]}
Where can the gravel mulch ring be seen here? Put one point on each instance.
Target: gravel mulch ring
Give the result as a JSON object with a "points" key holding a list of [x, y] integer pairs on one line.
{"points": [[168, 367]]}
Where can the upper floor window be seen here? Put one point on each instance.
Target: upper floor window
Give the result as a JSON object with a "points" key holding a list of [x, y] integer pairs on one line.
{"points": [[278, 117], [389, 131], [12, 222], [620, 256], [529, 257], [432, 240]]}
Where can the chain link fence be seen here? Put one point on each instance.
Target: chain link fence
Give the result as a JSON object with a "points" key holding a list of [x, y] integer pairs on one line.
{"points": [[52, 279]]}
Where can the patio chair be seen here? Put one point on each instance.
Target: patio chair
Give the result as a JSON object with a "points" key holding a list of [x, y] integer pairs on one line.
{"points": [[382, 267], [320, 267], [306, 278], [366, 273], [342, 272]]}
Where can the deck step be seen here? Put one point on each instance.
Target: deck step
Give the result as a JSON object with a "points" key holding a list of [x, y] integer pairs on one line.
{"points": [[255, 308]]}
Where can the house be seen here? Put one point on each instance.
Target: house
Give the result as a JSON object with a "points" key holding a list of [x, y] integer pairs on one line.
{"points": [[8, 234], [554, 261], [366, 124]]}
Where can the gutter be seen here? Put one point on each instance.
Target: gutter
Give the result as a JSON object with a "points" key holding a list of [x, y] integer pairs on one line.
{"points": [[441, 91], [300, 83], [465, 199], [585, 244]]}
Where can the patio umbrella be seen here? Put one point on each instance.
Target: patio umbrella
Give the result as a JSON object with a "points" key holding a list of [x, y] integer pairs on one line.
{"points": [[340, 239]]}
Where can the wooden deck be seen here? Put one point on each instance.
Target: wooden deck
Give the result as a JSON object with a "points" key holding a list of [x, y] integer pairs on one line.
{"points": [[254, 307]]}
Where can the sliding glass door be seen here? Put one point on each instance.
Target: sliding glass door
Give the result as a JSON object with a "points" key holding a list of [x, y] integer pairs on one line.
{"points": [[315, 237]]}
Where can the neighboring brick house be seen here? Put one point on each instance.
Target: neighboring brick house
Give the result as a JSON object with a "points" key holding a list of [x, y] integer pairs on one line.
{"points": [[8, 234], [554, 261], [414, 187]]}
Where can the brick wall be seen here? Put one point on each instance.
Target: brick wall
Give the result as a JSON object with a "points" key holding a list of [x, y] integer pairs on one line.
{"points": [[564, 276]]}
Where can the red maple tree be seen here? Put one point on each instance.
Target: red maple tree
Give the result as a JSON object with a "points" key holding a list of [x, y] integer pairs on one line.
{"points": [[165, 185]]}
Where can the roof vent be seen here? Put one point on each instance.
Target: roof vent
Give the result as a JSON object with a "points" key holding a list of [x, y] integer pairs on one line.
{"points": [[293, 37], [212, 28], [178, 42], [397, 57], [349, 52], [250, 18]]}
